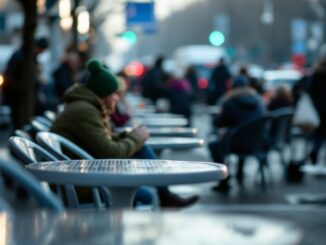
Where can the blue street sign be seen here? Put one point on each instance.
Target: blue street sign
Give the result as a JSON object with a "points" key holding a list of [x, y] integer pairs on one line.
{"points": [[141, 15]]}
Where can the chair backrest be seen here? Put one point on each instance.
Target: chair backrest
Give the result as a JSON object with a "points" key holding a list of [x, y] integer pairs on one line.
{"points": [[43, 120], [249, 137], [281, 126], [39, 126], [23, 134], [27, 151], [57, 144], [50, 115], [45, 198]]}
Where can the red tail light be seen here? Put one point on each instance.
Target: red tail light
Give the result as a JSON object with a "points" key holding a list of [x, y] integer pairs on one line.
{"points": [[202, 83]]}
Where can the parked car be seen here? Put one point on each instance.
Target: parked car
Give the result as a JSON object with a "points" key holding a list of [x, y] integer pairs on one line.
{"points": [[274, 78]]}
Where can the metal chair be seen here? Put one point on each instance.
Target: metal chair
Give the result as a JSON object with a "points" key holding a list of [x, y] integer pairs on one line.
{"points": [[45, 198], [248, 139], [43, 120], [280, 131], [29, 152], [39, 126], [23, 134], [57, 144], [50, 115]]}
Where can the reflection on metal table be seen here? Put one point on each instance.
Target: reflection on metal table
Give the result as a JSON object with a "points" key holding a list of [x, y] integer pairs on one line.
{"points": [[160, 122], [124, 176], [175, 143], [121, 227]]}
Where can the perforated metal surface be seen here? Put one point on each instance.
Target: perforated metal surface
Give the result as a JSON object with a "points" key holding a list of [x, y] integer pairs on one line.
{"points": [[128, 172], [126, 166]]}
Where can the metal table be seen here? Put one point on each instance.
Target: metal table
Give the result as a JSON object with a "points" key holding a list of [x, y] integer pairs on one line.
{"points": [[165, 131], [175, 143], [124, 176], [160, 122], [155, 115], [122, 227], [172, 132]]}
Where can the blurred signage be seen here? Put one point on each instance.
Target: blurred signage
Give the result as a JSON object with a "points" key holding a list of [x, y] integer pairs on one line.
{"points": [[299, 29], [298, 47], [140, 15], [299, 33]]}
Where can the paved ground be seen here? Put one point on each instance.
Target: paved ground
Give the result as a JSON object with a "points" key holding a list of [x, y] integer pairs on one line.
{"points": [[248, 199]]}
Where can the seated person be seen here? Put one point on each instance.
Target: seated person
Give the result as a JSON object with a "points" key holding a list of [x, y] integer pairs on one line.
{"points": [[85, 121], [238, 105], [281, 98], [122, 112]]}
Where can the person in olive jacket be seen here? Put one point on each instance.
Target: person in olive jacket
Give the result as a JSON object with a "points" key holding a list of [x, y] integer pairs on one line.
{"points": [[85, 121]]}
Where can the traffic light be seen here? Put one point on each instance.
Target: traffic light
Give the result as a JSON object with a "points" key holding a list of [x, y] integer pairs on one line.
{"points": [[216, 38], [129, 36]]}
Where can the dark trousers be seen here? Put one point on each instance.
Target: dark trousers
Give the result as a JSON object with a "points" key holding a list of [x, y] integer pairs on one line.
{"points": [[143, 196]]}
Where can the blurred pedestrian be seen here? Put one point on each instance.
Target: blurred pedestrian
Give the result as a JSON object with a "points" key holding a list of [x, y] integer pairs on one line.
{"points": [[65, 74], [302, 85], [122, 112], [281, 98], [86, 121], [219, 82], [317, 93], [153, 82], [239, 105], [179, 94], [192, 77], [253, 82], [13, 80]]}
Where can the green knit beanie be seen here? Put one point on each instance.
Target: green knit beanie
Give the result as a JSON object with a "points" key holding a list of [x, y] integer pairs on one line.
{"points": [[100, 80]]}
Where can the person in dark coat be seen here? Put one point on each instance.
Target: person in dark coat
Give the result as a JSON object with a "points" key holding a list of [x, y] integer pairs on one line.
{"points": [[281, 98], [179, 94], [219, 82], [153, 82], [64, 74], [122, 113], [317, 93], [240, 104], [13, 80], [192, 76]]}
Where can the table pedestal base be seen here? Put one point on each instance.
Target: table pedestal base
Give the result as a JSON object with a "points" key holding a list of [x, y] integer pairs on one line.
{"points": [[122, 197]]}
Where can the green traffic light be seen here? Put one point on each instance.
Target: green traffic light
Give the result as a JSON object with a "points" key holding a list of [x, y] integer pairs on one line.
{"points": [[130, 37], [216, 38]]}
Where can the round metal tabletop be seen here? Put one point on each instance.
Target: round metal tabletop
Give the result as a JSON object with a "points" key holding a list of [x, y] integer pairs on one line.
{"points": [[128, 172]]}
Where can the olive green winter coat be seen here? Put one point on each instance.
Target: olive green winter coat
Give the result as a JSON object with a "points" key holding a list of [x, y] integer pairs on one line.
{"points": [[85, 122]]}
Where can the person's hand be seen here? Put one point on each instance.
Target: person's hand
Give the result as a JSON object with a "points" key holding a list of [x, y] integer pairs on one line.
{"points": [[142, 131]]}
